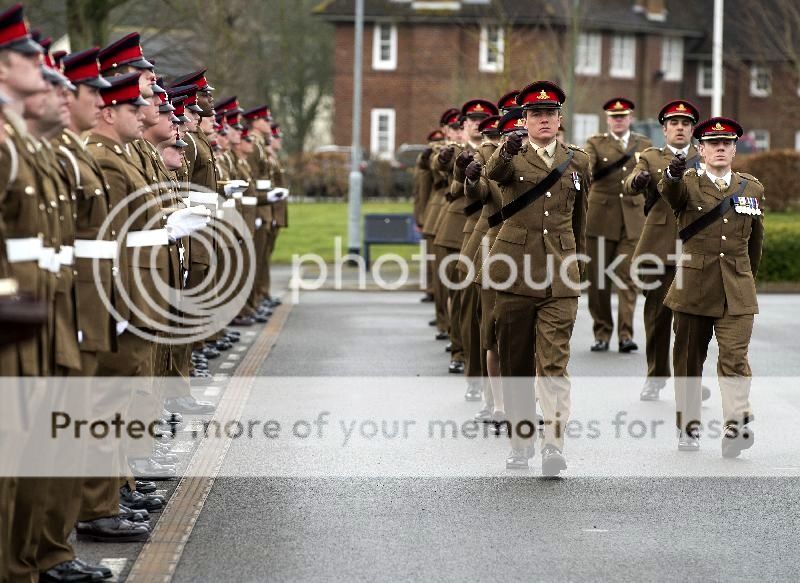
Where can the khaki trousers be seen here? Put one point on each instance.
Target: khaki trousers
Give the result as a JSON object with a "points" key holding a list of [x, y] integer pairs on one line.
{"points": [[600, 299], [8, 490], [692, 336], [658, 324], [261, 239], [474, 356], [439, 289], [533, 336], [454, 308]]}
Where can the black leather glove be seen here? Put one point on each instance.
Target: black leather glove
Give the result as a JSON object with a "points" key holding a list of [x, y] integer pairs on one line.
{"points": [[464, 158], [426, 156], [513, 144], [446, 154], [677, 167], [641, 180], [473, 171]]}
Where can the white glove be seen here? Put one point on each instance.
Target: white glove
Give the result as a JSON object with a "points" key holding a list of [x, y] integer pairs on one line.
{"points": [[263, 184], [184, 222], [277, 194], [235, 186], [259, 222], [121, 327]]}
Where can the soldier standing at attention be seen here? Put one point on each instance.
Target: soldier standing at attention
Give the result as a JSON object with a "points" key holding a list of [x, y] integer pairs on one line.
{"points": [[613, 224], [543, 187], [657, 241], [720, 223]]}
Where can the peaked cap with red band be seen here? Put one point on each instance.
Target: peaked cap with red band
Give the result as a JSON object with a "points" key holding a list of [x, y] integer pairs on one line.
{"points": [[125, 51], [233, 119], [718, 128], [227, 105], [450, 117], [197, 78], [679, 108], [513, 121], [180, 108], [618, 106], [541, 95], [478, 108], [508, 101], [491, 125], [123, 89], [276, 130], [58, 58], [435, 136], [189, 92], [82, 68], [261, 112], [14, 33]]}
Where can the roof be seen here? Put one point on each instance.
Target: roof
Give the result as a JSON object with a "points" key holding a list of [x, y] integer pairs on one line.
{"points": [[682, 18]]}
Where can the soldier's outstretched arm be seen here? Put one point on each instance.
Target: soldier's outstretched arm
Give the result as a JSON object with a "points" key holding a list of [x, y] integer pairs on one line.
{"points": [[629, 187], [672, 186], [500, 168]]}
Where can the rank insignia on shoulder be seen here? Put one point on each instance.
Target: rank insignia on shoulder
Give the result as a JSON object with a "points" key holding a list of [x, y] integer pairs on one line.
{"points": [[746, 205]]}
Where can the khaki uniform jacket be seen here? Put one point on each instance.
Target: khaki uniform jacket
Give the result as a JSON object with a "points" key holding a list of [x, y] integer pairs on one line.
{"points": [[487, 192], [125, 178], [610, 210], [660, 227], [553, 226], [95, 325], [436, 200], [280, 209], [719, 264], [423, 184], [204, 173], [260, 170], [450, 231], [242, 171]]}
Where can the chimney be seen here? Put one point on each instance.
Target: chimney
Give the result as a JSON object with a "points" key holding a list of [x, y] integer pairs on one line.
{"points": [[656, 10]]}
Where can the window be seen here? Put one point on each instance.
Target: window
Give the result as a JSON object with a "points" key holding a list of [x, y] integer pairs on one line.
{"points": [[797, 141], [492, 49], [381, 140], [623, 56], [760, 139], [705, 80], [760, 81], [384, 47], [672, 58], [586, 124], [588, 54]]}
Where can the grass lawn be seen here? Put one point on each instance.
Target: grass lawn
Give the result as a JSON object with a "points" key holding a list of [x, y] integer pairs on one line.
{"points": [[314, 226]]}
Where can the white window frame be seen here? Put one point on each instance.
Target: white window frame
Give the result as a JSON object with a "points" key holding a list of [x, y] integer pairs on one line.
{"points": [[374, 133], [586, 124], [760, 139], [797, 141], [672, 58], [622, 56], [378, 63], [755, 73], [589, 54], [702, 90], [484, 65]]}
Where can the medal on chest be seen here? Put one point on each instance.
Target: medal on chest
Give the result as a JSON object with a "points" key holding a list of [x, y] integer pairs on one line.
{"points": [[746, 205]]}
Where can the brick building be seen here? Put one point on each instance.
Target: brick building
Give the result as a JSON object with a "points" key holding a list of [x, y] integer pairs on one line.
{"points": [[421, 57]]}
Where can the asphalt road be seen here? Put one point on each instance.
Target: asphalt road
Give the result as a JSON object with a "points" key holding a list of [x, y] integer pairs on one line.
{"points": [[287, 510]]}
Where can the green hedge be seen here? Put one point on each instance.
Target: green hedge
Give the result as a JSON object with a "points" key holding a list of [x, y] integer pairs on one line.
{"points": [[780, 261]]}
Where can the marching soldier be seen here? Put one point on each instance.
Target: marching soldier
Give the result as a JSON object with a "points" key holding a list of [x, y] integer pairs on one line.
{"points": [[423, 187], [613, 224], [720, 222], [657, 242], [543, 188], [280, 209]]}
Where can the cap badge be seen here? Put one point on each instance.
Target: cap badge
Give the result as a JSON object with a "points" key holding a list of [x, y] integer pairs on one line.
{"points": [[543, 95], [681, 107], [478, 107], [520, 122], [617, 105], [718, 127]]}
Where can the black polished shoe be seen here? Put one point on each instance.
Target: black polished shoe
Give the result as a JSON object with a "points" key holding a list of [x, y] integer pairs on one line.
{"points": [[432, 323], [190, 406], [736, 440], [222, 345], [442, 336], [275, 302], [427, 298], [112, 530], [517, 460], [688, 442], [599, 346], [231, 338], [651, 389], [145, 487], [553, 462], [265, 311], [449, 347], [105, 572], [210, 353], [242, 321], [69, 571], [145, 468], [627, 345], [229, 332], [473, 392], [484, 415], [500, 424], [261, 318], [456, 367], [134, 515], [138, 501]]}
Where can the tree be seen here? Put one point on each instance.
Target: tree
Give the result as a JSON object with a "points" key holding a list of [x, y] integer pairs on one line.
{"points": [[88, 21]]}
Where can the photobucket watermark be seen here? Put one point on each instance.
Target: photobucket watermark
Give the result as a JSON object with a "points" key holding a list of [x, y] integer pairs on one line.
{"points": [[492, 267]]}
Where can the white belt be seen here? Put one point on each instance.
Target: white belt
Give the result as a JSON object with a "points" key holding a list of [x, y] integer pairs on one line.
{"points": [[263, 184], [8, 286], [249, 200], [204, 198], [48, 259], [95, 249], [19, 250], [236, 194], [66, 255], [152, 238]]}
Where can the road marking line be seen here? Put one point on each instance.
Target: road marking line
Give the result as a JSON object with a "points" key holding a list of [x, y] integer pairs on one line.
{"points": [[595, 530], [227, 365], [211, 392], [160, 556], [234, 357]]}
